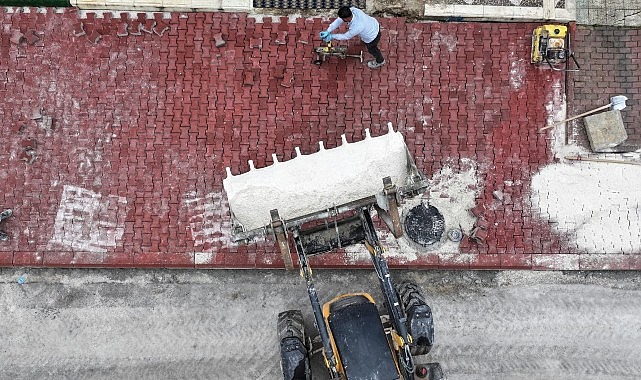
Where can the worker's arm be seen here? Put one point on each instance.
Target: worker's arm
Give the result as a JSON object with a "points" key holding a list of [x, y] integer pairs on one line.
{"points": [[346, 36], [335, 25], [355, 28]]}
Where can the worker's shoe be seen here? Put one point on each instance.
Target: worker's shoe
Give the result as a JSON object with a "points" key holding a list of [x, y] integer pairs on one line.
{"points": [[375, 65], [5, 214]]}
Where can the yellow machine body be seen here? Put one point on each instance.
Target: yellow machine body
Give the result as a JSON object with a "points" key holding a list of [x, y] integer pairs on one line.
{"points": [[551, 47], [549, 44]]}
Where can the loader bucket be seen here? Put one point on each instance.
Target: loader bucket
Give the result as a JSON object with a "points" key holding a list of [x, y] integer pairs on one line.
{"points": [[315, 183]]}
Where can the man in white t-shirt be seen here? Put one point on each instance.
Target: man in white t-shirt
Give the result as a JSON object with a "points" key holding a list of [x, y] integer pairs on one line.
{"points": [[362, 25]]}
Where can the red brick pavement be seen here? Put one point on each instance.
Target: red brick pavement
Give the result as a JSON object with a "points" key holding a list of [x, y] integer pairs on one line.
{"points": [[146, 114]]}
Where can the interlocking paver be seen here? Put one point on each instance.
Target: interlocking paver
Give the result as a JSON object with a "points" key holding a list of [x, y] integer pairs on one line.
{"points": [[610, 59], [147, 113]]}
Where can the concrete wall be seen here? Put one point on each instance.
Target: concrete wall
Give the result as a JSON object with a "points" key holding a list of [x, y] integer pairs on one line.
{"points": [[496, 9]]}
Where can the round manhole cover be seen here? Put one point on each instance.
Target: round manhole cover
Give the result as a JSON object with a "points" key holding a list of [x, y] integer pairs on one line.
{"points": [[424, 224]]}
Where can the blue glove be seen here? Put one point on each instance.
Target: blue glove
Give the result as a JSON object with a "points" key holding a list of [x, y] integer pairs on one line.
{"points": [[326, 36]]}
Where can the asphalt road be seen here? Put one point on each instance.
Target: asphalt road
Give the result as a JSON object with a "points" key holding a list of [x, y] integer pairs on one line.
{"points": [[167, 324]]}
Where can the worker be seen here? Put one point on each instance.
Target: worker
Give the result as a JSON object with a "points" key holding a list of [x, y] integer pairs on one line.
{"points": [[4, 215], [360, 24]]}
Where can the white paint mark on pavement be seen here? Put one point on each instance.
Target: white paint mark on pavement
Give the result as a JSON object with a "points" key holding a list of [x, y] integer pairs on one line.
{"points": [[447, 40], [89, 221], [209, 223], [517, 73], [203, 258]]}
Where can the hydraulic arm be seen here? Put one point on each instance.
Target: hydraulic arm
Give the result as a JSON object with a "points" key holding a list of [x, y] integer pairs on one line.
{"points": [[306, 272], [376, 252]]}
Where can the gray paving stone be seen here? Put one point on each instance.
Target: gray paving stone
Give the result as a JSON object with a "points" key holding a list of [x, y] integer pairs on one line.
{"points": [[605, 130]]}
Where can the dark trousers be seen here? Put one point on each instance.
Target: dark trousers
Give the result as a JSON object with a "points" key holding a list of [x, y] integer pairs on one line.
{"points": [[372, 48]]}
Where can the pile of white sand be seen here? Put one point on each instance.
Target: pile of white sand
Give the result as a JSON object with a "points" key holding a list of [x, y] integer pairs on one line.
{"points": [[597, 204], [453, 192]]}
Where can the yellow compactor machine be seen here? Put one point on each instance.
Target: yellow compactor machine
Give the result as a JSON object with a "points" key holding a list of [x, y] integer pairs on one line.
{"points": [[551, 47]]}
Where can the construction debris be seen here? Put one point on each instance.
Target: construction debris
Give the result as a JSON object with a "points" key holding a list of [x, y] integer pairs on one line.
{"points": [[17, 37], [606, 160], [218, 37], [44, 121], [28, 153]]}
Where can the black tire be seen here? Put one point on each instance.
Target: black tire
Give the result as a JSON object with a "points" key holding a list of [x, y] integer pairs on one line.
{"points": [[294, 356], [418, 314]]}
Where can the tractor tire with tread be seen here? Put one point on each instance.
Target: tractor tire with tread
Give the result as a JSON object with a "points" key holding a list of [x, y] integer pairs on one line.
{"points": [[294, 353], [420, 323]]}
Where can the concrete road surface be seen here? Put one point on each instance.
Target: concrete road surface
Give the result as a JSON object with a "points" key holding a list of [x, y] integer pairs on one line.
{"points": [[169, 324]]}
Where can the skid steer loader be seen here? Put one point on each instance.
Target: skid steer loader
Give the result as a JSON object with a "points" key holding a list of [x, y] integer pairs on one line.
{"points": [[324, 201]]}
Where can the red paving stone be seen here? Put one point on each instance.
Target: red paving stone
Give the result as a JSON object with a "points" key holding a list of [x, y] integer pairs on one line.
{"points": [[146, 118]]}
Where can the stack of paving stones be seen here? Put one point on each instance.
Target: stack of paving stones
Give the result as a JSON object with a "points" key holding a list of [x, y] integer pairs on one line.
{"points": [[144, 113]]}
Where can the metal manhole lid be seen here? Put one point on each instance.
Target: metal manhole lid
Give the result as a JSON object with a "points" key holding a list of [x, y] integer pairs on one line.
{"points": [[424, 224]]}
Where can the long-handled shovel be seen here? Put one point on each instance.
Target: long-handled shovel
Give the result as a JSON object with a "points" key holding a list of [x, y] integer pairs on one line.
{"points": [[616, 102]]}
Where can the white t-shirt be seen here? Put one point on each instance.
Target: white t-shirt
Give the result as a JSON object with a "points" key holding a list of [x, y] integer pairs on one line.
{"points": [[362, 25]]}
